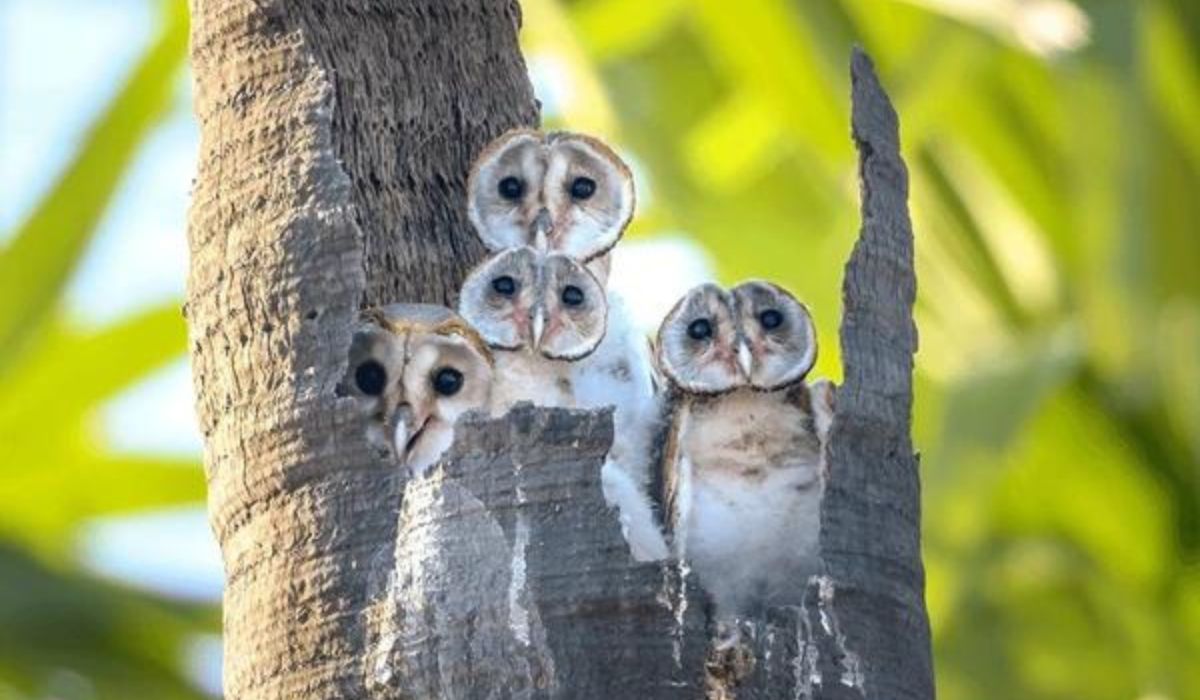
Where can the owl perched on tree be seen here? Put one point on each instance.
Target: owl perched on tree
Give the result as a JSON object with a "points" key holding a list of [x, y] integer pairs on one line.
{"points": [[541, 315], [744, 471], [413, 370], [570, 194]]}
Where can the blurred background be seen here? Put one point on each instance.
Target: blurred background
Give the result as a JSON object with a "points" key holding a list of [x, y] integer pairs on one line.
{"points": [[1054, 150]]}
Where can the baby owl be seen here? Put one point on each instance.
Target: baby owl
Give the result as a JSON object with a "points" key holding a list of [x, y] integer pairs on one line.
{"points": [[413, 370], [540, 314], [744, 471]]}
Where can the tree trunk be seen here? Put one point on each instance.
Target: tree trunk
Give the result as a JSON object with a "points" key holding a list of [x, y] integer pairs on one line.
{"points": [[336, 138], [335, 141], [871, 514]]}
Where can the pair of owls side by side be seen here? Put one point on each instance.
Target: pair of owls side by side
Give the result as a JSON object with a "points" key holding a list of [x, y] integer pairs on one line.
{"points": [[715, 413]]}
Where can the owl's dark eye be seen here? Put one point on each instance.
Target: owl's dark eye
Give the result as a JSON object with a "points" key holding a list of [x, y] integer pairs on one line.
{"points": [[511, 188], [770, 319], [583, 188], [700, 329], [572, 295], [370, 378], [504, 286], [448, 381]]}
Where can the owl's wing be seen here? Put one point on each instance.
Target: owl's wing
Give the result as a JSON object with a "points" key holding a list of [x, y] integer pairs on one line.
{"points": [[816, 403], [657, 379], [824, 404], [665, 466]]}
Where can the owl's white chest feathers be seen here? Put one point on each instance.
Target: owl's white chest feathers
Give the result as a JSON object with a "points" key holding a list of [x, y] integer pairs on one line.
{"points": [[753, 466], [526, 376], [618, 374]]}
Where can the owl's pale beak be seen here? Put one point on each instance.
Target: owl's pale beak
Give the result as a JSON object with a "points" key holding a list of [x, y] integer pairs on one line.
{"points": [[542, 227], [538, 327], [406, 431], [744, 358]]}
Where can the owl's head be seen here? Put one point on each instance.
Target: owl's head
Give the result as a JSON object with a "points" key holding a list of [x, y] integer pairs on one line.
{"points": [[559, 192], [414, 369], [521, 299], [696, 346], [777, 339], [755, 335]]}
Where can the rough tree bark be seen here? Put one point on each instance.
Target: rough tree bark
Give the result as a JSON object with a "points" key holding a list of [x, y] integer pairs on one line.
{"points": [[871, 514], [336, 136], [335, 141]]}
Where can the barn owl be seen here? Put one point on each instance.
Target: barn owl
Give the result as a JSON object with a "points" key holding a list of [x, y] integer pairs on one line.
{"points": [[541, 315], [559, 192], [413, 370], [744, 472]]}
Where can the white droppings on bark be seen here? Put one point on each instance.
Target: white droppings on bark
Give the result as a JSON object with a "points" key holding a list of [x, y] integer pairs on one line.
{"points": [[682, 569], [518, 616], [805, 669], [851, 666]]}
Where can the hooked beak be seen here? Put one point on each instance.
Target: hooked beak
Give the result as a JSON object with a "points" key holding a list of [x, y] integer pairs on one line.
{"points": [[541, 228], [406, 431], [538, 327], [744, 358]]}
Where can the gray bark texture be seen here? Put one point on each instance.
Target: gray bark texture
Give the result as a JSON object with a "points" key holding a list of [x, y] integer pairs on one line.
{"points": [[871, 513], [336, 140]]}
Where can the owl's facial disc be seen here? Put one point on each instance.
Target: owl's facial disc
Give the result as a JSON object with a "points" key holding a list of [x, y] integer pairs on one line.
{"points": [[778, 342], [698, 341], [557, 192], [522, 299], [413, 370]]}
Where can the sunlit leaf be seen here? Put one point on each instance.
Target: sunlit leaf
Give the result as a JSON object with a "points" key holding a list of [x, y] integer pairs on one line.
{"points": [[734, 144], [1070, 475], [72, 373], [1178, 345], [1172, 70], [769, 51], [36, 263], [610, 28], [988, 408], [555, 55], [73, 485]]}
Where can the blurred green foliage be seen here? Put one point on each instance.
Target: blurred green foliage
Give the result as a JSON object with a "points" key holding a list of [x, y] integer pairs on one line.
{"points": [[1054, 182], [63, 632], [1054, 152]]}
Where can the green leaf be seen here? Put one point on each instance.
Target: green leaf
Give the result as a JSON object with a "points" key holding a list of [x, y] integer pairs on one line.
{"points": [[85, 485], [769, 50], [988, 408], [37, 263], [70, 374], [612, 28], [1172, 72], [734, 144]]}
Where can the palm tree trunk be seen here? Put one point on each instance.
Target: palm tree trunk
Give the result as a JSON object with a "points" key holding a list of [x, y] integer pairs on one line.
{"points": [[335, 142], [336, 138]]}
